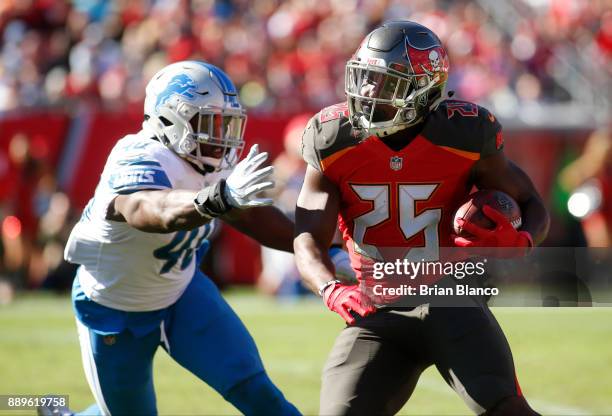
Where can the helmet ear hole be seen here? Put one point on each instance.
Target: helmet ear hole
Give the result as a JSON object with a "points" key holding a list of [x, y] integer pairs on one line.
{"points": [[164, 120]]}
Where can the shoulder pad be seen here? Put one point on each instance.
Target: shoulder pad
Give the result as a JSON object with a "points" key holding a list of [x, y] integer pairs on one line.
{"points": [[464, 126], [327, 134], [137, 165]]}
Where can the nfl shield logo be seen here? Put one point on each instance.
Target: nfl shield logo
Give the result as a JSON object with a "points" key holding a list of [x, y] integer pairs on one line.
{"points": [[396, 162]]}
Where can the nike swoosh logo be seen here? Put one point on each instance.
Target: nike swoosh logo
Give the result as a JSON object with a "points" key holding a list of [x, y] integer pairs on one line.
{"points": [[202, 93]]}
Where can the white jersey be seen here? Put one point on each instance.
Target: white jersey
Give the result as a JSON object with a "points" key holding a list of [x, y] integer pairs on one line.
{"points": [[122, 267]]}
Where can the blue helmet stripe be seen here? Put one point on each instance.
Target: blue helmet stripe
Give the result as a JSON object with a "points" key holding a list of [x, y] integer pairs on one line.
{"points": [[223, 80], [227, 86], [226, 83]]}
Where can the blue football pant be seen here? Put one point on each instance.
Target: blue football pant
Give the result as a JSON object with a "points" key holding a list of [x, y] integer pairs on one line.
{"points": [[204, 335]]}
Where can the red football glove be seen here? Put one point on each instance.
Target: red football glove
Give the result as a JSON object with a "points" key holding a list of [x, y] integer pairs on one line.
{"points": [[503, 235], [343, 299]]}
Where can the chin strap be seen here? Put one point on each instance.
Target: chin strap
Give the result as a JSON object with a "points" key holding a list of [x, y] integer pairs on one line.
{"points": [[432, 107], [202, 170], [387, 131], [402, 103]]}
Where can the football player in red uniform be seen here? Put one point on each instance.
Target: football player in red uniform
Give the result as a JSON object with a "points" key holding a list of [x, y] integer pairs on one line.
{"points": [[393, 163]]}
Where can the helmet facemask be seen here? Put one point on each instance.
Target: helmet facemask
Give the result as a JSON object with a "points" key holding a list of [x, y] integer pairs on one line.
{"points": [[383, 100], [219, 138], [212, 139]]}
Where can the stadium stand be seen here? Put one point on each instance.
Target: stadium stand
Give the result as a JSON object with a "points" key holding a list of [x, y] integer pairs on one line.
{"points": [[72, 78]]}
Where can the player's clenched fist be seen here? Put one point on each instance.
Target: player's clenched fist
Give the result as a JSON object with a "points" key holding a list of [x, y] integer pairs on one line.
{"points": [[248, 179], [503, 235], [343, 299]]}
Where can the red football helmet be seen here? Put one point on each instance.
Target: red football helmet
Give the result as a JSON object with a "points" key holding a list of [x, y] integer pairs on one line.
{"points": [[396, 77]]}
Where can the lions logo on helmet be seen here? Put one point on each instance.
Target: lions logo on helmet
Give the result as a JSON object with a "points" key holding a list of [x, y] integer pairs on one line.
{"points": [[192, 107], [181, 85]]}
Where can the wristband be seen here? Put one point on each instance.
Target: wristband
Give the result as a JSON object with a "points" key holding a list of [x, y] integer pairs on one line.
{"points": [[326, 285], [210, 202]]}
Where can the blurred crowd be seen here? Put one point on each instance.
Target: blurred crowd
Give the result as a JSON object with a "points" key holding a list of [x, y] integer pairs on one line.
{"points": [[36, 222], [284, 55]]}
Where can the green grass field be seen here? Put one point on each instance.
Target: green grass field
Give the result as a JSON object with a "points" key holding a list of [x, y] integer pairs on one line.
{"points": [[563, 357]]}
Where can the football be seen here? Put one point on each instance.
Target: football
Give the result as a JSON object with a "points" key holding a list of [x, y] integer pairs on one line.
{"points": [[471, 210]]}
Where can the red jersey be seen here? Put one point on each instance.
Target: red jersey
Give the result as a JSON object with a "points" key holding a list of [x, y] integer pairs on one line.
{"points": [[400, 204]]}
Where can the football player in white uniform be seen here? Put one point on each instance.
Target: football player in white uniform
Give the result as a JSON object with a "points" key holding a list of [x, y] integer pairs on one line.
{"points": [[140, 239]]}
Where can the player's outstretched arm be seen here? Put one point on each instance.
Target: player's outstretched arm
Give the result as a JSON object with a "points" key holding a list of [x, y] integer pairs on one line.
{"points": [[315, 222], [158, 211], [162, 211], [498, 172], [267, 225]]}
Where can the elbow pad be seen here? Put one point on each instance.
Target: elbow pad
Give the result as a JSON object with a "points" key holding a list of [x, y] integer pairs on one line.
{"points": [[210, 202]]}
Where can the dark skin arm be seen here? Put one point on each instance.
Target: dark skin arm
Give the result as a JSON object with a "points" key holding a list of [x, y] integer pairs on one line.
{"points": [[157, 211], [498, 172], [266, 225], [166, 211], [315, 224]]}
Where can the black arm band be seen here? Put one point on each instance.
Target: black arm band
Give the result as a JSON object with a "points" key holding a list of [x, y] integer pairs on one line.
{"points": [[211, 202]]}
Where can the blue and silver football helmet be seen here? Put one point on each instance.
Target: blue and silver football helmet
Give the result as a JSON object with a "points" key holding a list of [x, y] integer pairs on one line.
{"points": [[192, 107]]}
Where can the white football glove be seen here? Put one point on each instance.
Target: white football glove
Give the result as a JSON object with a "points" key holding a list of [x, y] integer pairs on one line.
{"points": [[247, 180]]}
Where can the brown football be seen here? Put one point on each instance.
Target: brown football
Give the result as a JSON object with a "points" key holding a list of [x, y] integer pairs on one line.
{"points": [[472, 210]]}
